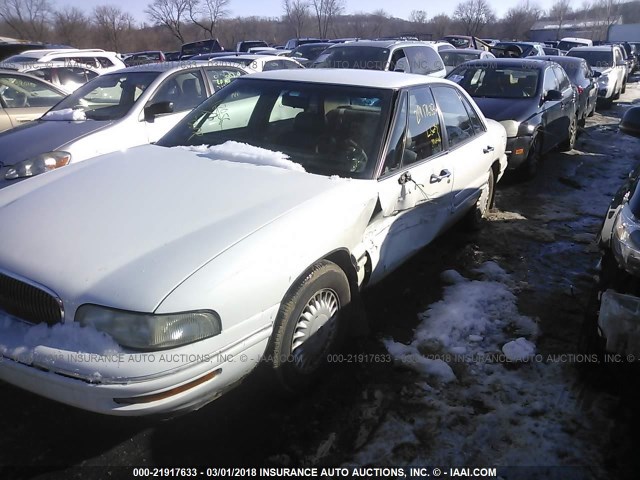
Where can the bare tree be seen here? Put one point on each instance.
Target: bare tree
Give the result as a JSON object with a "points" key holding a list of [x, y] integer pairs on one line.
{"points": [[325, 12], [474, 15], [440, 25], [296, 14], [112, 25], [29, 19], [71, 26], [560, 10], [206, 13], [169, 14], [518, 21], [418, 16]]}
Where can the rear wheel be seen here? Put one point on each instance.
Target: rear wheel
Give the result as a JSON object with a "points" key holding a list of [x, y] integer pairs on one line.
{"points": [[309, 326], [572, 135], [477, 216]]}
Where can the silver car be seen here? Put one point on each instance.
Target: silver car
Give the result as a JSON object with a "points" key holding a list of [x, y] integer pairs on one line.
{"points": [[115, 111]]}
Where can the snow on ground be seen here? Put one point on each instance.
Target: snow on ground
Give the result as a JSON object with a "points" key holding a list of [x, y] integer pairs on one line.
{"points": [[243, 153], [66, 114], [482, 396]]}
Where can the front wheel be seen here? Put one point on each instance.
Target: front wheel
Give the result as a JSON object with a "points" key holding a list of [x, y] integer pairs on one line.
{"points": [[529, 168], [309, 326]]}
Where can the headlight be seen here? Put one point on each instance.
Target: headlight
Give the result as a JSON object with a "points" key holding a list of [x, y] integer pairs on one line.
{"points": [[511, 126], [625, 241], [146, 331], [37, 165], [603, 80]]}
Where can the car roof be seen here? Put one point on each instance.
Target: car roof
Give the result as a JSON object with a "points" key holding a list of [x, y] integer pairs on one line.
{"points": [[177, 65], [344, 76], [511, 62], [383, 43], [249, 56], [599, 48], [562, 58]]}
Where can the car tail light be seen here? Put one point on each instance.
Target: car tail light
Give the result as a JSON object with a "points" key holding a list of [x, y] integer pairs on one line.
{"points": [[580, 90]]}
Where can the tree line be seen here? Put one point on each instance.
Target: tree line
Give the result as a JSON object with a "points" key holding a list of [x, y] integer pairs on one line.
{"points": [[169, 23]]}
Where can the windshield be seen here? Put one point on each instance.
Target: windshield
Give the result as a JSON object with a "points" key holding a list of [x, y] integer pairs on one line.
{"points": [[309, 51], [568, 45], [594, 58], [501, 82], [108, 97], [458, 42], [453, 58], [360, 57], [328, 129]]}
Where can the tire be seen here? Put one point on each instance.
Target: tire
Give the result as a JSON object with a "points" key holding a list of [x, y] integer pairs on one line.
{"points": [[624, 87], [529, 168], [477, 216], [593, 109], [607, 102], [572, 135], [310, 325]]}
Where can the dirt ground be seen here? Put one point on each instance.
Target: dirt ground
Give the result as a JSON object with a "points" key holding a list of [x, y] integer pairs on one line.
{"points": [[541, 231]]}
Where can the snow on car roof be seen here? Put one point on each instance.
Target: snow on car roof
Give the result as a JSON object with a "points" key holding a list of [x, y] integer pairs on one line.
{"points": [[344, 76]]}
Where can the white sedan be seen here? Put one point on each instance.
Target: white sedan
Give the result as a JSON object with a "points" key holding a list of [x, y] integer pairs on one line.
{"points": [[153, 280]]}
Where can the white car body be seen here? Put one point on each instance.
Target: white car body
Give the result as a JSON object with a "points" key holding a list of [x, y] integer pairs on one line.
{"points": [[187, 231], [612, 75], [87, 138], [93, 57], [261, 62]]}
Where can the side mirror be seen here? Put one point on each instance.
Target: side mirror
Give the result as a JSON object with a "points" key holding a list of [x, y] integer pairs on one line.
{"points": [[155, 109], [596, 74], [630, 123], [553, 96]]}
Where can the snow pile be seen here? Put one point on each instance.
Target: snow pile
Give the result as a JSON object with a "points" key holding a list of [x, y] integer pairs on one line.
{"points": [[66, 114], [482, 396], [20, 341], [243, 153]]}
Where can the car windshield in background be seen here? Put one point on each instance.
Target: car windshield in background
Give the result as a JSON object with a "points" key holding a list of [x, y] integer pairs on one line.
{"points": [[309, 51], [458, 42], [453, 58], [594, 58], [510, 82], [566, 45], [361, 57], [328, 129], [108, 97]]}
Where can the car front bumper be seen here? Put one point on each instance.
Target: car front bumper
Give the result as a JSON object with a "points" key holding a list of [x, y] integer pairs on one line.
{"points": [[187, 382], [517, 150], [619, 322]]}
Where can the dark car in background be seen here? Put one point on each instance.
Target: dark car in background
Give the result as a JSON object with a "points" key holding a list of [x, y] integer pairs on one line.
{"points": [[192, 49], [143, 58], [532, 99], [584, 80], [308, 52], [517, 49]]}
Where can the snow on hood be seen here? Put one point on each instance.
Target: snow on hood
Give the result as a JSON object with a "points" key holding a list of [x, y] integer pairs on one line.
{"points": [[67, 114], [481, 395], [243, 153]]}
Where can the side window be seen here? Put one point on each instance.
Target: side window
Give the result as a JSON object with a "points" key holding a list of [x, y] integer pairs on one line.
{"points": [[221, 76], [550, 81], [393, 160], [399, 62], [456, 119], [104, 62], [477, 124], [186, 90], [44, 74], [423, 60], [424, 136], [562, 78], [285, 108], [291, 65]]}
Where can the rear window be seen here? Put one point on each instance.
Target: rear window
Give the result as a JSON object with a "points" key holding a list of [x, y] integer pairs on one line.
{"points": [[594, 58], [361, 57]]}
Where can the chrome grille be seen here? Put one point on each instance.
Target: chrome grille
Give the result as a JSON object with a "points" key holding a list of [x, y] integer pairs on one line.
{"points": [[28, 302]]}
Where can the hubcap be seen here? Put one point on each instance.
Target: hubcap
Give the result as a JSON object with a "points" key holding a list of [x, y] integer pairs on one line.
{"points": [[315, 329]]}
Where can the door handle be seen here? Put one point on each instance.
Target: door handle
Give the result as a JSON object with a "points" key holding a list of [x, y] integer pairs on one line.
{"points": [[488, 149], [438, 178]]}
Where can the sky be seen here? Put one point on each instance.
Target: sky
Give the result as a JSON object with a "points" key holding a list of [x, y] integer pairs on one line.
{"points": [[273, 8]]}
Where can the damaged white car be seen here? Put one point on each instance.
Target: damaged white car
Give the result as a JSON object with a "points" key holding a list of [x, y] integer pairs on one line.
{"points": [[153, 280]]}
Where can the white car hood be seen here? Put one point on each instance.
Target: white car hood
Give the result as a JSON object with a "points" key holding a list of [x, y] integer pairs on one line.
{"points": [[126, 228]]}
